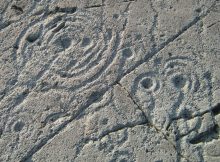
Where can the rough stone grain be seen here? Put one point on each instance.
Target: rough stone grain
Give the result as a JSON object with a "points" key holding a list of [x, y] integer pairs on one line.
{"points": [[109, 80]]}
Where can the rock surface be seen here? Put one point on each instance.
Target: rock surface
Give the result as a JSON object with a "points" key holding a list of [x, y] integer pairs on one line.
{"points": [[110, 80]]}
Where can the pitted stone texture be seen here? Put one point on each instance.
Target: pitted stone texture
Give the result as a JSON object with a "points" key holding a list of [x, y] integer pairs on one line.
{"points": [[176, 90], [140, 143], [116, 111], [106, 68]]}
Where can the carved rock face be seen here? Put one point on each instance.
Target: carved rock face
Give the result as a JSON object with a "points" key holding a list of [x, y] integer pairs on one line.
{"points": [[175, 89], [170, 87], [109, 80]]}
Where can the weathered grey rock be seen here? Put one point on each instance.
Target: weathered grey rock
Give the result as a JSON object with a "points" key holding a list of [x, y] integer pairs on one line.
{"points": [[176, 91], [115, 112], [109, 80]]}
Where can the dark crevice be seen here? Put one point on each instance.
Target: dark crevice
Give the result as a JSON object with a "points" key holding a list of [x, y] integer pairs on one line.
{"points": [[33, 37], [1, 132], [17, 8], [213, 24], [53, 117], [216, 109], [94, 6], [2, 94], [69, 10], [59, 27], [129, 0], [103, 4], [95, 96], [66, 10], [125, 24], [206, 136], [4, 25]]}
